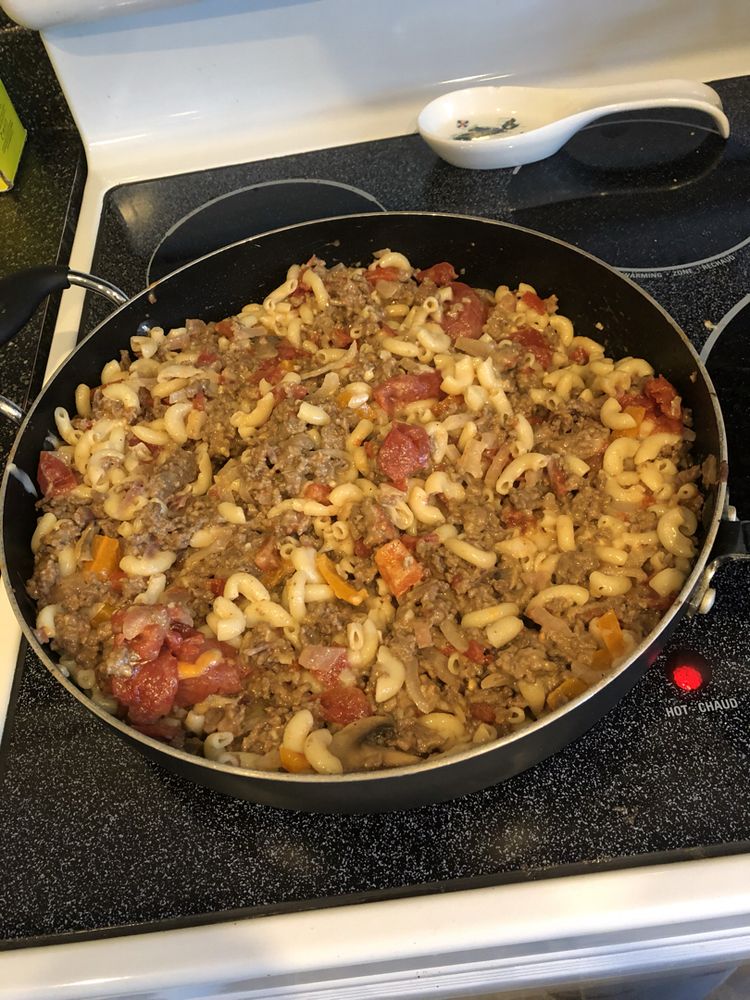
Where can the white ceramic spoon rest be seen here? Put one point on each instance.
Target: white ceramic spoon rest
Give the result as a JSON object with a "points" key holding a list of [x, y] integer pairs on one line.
{"points": [[487, 127]]}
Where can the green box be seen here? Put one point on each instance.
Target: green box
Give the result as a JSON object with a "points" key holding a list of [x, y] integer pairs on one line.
{"points": [[12, 139]]}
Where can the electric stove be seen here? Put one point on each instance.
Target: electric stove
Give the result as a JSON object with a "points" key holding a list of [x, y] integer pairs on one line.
{"points": [[98, 842]]}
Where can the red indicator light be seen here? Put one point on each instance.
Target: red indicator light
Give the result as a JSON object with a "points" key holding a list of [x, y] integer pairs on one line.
{"points": [[687, 677]]}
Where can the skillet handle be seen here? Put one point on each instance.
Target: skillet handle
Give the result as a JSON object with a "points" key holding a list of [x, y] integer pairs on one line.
{"points": [[732, 542], [22, 292]]}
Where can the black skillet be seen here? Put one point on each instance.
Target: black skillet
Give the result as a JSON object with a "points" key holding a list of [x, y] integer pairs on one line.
{"points": [[488, 253]]}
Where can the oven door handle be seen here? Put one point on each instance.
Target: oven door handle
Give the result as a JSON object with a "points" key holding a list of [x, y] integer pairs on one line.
{"points": [[22, 292]]}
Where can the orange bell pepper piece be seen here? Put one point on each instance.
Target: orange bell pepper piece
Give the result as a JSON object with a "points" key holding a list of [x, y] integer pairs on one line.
{"points": [[601, 660], [570, 688], [638, 414], [106, 556], [608, 628], [398, 567], [343, 590], [292, 761]]}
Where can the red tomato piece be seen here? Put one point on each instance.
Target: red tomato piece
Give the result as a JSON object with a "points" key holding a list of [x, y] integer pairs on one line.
{"points": [[410, 541], [652, 404], [664, 395], [636, 399], [383, 274], [199, 401], [147, 645], [438, 274], [317, 491], [579, 356], [289, 390], [164, 729], [185, 642], [220, 678], [558, 479], [532, 300], [535, 343], [326, 662], [149, 692], [341, 337], [482, 710], [206, 358], [270, 370], [225, 328], [216, 585], [54, 476], [405, 449], [401, 389], [475, 652], [466, 314], [288, 352], [344, 705]]}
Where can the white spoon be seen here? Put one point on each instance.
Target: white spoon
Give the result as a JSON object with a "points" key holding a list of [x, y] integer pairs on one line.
{"points": [[487, 127]]}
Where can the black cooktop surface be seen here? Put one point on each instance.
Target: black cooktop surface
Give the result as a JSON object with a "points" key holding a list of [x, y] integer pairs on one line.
{"points": [[97, 840]]}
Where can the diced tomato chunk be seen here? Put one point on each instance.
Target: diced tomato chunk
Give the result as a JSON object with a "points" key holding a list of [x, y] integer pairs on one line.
{"points": [[482, 710], [325, 662], [147, 644], [405, 449], [216, 585], [206, 358], [270, 370], [384, 274], [398, 567], [514, 518], [535, 343], [402, 389], [199, 401], [532, 300], [289, 390], [225, 328], [438, 274], [664, 396], [317, 491], [466, 314], [476, 652], [660, 401], [410, 541], [220, 678], [54, 476], [579, 356], [149, 693], [288, 352], [557, 477], [185, 642], [164, 729], [341, 337], [344, 705]]}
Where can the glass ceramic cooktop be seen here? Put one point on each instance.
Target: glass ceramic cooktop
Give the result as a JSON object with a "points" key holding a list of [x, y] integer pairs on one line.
{"points": [[97, 840]]}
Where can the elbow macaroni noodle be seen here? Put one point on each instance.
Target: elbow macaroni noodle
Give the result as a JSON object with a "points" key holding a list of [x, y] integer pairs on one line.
{"points": [[428, 514]]}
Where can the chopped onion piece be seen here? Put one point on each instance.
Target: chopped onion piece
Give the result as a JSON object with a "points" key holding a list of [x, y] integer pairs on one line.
{"points": [[455, 636]]}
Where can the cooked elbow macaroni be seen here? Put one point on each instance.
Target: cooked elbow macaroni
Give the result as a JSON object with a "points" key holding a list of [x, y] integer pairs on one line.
{"points": [[378, 515]]}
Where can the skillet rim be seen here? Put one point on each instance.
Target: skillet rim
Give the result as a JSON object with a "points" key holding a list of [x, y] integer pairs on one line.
{"points": [[671, 616]]}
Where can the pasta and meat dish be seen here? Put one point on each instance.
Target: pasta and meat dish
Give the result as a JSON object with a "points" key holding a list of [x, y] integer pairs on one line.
{"points": [[378, 516]]}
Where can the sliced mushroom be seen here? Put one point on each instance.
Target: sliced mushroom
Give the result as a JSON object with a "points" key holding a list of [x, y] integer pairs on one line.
{"points": [[353, 747]]}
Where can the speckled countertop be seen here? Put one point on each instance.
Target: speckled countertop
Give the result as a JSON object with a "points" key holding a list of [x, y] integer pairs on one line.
{"points": [[37, 218]]}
